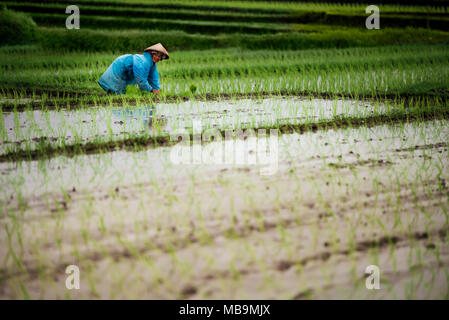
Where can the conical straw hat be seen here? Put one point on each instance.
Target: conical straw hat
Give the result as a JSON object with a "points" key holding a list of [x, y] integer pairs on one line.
{"points": [[159, 48]]}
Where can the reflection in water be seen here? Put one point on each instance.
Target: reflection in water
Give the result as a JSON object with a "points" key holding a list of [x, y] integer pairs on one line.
{"points": [[65, 126], [144, 113]]}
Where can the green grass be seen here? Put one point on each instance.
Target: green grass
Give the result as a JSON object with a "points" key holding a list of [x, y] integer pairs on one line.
{"points": [[151, 13], [393, 70], [46, 14], [253, 25], [305, 38], [257, 6], [190, 27]]}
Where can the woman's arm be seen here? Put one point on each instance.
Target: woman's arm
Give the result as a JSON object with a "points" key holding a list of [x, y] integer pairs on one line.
{"points": [[141, 70], [153, 79]]}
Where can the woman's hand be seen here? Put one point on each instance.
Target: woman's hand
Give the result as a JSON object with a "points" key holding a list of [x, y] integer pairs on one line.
{"points": [[156, 91]]}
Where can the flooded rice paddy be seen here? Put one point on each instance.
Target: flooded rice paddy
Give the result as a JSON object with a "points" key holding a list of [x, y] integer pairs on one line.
{"points": [[27, 129], [339, 201]]}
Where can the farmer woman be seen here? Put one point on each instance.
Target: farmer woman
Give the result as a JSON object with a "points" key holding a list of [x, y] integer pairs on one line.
{"points": [[131, 69]]}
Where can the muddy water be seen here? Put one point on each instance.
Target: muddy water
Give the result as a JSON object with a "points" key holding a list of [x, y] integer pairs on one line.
{"points": [[25, 129], [104, 171], [18, 100], [334, 191]]}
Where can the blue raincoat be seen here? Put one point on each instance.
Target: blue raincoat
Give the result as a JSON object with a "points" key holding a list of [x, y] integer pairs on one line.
{"points": [[130, 69]]}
